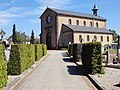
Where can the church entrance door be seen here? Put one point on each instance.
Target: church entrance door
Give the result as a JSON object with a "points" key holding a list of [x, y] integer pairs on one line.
{"points": [[49, 39]]}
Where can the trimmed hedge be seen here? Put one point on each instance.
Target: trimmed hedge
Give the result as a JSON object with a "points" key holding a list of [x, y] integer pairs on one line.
{"points": [[90, 54], [77, 52], [3, 68], [22, 56], [44, 48], [30, 55], [38, 52], [92, 57], [70, 49]]}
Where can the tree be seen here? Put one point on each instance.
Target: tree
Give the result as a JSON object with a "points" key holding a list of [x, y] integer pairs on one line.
{"points": [[19, 39], [14, 36], [114, 35], [32, 40], [37, 40]]}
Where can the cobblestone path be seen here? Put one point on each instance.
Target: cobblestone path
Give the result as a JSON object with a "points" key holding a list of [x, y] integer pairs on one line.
{"points": [[56, 72]]}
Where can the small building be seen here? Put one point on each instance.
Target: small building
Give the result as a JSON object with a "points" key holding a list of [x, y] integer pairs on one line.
{"points": [[59, 27]]}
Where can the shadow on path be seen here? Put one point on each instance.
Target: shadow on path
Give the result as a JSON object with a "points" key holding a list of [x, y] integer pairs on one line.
{"points": [[117, 85], [72, 68]]}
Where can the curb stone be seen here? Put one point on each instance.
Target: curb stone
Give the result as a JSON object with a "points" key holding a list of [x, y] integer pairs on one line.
{"points": [[20, 77], [97, 84]]}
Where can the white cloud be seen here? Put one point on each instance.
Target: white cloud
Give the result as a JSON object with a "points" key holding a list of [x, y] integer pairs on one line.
{"points": [[44, 3], [7, 3], [4, 21], [5, 14], [14, 9]]}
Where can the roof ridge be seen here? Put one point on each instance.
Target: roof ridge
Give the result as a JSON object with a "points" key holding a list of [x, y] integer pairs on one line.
{"points": [[74, 13]]}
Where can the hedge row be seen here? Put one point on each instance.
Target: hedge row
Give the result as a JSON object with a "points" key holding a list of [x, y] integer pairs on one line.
{"points": [[92, 57], [3, 68], [44, 47], [90, 54], [38, 51], [22, 56], [70, 49], [75, 51]]}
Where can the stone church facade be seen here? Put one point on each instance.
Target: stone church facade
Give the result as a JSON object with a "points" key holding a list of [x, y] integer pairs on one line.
{"points": [[60, 27]]}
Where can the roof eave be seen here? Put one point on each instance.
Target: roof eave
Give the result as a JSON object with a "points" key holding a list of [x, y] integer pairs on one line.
{"points": [[81, 16], [92, 32]]}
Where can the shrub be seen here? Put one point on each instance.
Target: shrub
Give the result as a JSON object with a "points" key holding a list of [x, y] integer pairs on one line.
{"points": [[44, 48], [77, 51], [102, 71], [30, 55], [92, 57], [22, 56], [3, 68], [70, 49], [114, 60], [14, 60], [38, 51]]}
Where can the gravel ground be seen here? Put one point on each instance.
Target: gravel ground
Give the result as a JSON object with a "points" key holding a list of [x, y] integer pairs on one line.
{"points": [[110, 80]]}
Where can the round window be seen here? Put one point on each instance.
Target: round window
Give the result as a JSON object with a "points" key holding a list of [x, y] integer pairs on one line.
{"points": [[48, 19]]}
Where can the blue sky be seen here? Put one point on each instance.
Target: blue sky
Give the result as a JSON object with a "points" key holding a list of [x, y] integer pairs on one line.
{"points": [[25, 13]]}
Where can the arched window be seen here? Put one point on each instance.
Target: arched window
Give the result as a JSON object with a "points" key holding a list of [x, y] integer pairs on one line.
{"points": [[91, 24], [96, 24], [107, 38], [88, 38], [77, 22], [101, 38], [69, 21], [95, 38], [84, 23]]}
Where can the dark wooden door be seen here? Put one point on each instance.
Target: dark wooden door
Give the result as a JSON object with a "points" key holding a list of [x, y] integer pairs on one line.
{"points": [[48, 39]]}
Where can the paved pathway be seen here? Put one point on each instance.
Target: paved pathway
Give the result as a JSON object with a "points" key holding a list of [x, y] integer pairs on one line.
{"points": [[56, 72]]}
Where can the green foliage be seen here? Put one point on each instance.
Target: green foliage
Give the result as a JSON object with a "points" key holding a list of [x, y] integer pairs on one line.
{"points": [[32, 40], [75, 50], [30, 55], [3, 68], [37, 40], [102, 71], [92, 57], [114, 35], [112, 51], [14, 35], [38, 51], [22, 56], [14, 61], [70, 49], [19, 39], [44, 47]]}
